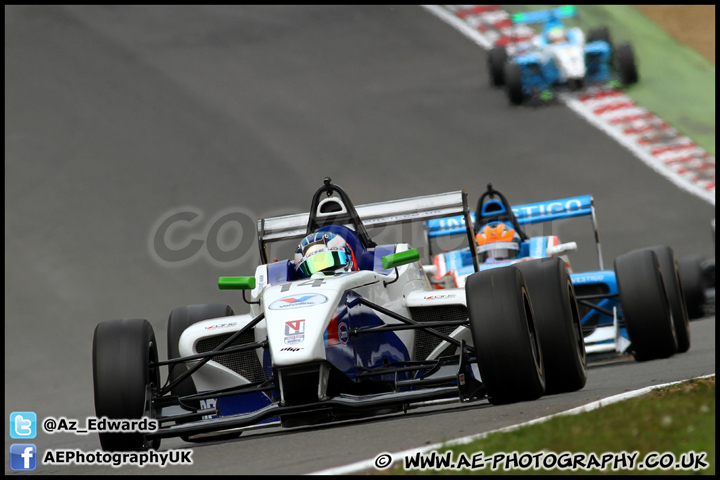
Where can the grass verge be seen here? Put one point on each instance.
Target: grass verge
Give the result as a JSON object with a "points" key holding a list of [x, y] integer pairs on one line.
{"points": [[663, 425]]}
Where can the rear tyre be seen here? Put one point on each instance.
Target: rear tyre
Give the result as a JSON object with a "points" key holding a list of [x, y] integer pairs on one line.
{"points": [[180, 319], [558, 322], [674, 288], [506, 341], [645, 305], [125, 376], [600, 33], [513, 81], [497, 57], [626, 64], [690, 270]]}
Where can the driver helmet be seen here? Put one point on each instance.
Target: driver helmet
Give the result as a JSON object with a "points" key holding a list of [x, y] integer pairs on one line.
{"points": [[497, 241], [325, 252], [556, 35]]}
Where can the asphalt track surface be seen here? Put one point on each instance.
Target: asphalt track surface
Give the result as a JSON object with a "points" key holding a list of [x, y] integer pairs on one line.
{"points": [[116, 117]]}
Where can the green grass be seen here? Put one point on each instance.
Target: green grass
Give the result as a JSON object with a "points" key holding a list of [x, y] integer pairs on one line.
{"points": [[676, 419], [676, 82]]}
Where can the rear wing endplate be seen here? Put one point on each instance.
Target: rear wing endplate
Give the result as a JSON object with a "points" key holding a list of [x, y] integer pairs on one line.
{"points": [[424, 208]]}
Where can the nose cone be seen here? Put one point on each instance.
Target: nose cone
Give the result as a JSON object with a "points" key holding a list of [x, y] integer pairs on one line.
{"points": [[296, 324], [571, 62]]}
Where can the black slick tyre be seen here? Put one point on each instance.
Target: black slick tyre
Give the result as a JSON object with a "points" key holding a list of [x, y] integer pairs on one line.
{"points": [[625, 57], [674, 288], [504, 335], [513, 83], [497, 57], [690, 270], [558, 322], [645, 305], [599, 33], [180, 319], [125, 374]]}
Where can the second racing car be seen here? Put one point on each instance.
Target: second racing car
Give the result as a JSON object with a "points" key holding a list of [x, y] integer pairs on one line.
{"points": [[637, 307]]}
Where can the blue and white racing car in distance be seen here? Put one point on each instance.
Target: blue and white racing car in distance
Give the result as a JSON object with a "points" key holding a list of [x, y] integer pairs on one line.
{"points": [[558, 57], [638, 307], [344, 329]]}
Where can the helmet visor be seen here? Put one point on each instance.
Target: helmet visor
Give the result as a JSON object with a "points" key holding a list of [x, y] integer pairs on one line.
{"points": [[327, 260]]}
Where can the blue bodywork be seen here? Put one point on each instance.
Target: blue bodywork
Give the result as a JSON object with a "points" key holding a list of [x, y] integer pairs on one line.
{"points": [[539, 71], [593, 282]]}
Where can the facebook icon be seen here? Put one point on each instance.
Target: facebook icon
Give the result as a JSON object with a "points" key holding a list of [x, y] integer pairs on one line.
{"points": [[23, 456]]}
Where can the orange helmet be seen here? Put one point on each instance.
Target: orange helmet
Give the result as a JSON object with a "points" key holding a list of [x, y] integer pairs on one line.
{"points": [[497, 241]]}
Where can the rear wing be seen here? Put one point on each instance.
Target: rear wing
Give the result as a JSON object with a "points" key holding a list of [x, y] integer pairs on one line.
{"points": [[527, 214], [393, 212], [541, 16], [554, 210]]}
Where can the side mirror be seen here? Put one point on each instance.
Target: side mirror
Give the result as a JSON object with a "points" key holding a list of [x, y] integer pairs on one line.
{"points": [[403, 258], [236, 283], [562, 248]]}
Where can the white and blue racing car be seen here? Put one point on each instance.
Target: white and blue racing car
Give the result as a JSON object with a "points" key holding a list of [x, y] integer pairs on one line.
{"points": [[558, 57]]}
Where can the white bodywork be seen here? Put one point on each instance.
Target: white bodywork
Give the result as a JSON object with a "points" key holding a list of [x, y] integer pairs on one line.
{"points": [[597, 342], [570, 61], [569, 57], [310, 319], [297, 313]]}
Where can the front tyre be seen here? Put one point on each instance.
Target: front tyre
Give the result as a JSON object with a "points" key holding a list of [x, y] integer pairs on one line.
{"points": [[645, 305], [506, 341], [558, 322], [125, 376]]}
